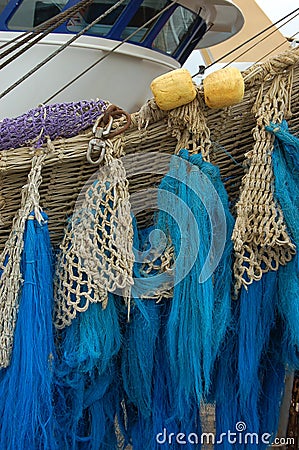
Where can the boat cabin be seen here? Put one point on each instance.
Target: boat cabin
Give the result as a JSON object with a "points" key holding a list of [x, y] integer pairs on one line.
{"points": [[177, 32]]}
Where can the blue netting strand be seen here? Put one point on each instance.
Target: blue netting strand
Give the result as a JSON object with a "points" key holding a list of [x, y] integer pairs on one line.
{"points": [[200, 308], [249, 378], [263, 335], [286, 179], [27, 416], [87, 378]]}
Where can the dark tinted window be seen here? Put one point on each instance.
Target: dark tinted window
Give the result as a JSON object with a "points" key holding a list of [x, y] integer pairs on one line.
{"points": [[91, 13], [175, 30], [147, 11], [32, 13]]}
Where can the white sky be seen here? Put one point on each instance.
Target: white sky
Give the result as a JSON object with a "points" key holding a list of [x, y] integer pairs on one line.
{"points": [[276, 9]]}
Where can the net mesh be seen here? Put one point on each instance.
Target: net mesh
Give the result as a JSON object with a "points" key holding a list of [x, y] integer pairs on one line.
{"points": [[49, 122], [261, 240], [96, 254]]}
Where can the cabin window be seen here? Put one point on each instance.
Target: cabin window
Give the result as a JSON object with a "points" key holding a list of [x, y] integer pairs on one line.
{"points": [[87, 15], [176, 30], [30, 13], [3, 3], [147, 10]]}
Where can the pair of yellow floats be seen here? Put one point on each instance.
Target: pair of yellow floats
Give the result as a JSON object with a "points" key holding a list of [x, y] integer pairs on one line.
{"points": [[222, 88]]}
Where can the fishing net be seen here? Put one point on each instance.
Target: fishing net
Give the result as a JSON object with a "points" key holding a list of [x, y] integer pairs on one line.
{"points": [[10, 259], [89, 208], [224, 137], [152, 135], [96, 255], [261, 241], [46, 122], [233, 148]]}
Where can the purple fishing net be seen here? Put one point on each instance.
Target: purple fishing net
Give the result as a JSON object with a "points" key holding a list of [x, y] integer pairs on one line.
{"points": [[57, 120]]}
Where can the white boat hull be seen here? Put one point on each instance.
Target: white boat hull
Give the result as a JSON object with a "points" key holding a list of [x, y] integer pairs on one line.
{"points": [[123, 77]]}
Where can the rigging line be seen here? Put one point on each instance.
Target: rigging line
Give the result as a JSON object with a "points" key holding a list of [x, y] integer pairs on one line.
{"points": [[16, 38], [58, 19], [59, 50], [108, 53], [261, 40], [273, 50], [252, 38], [33, 32], [247, 41], [43, 30]]}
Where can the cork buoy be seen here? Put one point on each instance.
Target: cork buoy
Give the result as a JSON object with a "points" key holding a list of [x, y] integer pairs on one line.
{"points": [[224, 87], [173, 89]]}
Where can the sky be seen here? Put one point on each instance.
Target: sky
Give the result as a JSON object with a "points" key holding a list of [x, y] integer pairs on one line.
{"points": [[275, 10]]}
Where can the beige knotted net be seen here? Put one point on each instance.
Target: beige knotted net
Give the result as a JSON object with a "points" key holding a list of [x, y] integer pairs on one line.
{"points": [[187, 124], [10, 259], [261, 241], [96, 254]]}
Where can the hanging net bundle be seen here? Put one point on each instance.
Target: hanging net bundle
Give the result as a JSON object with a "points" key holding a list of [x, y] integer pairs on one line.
{"points": [[176, 269], [10, 260], [261, 240], [96, 255]]}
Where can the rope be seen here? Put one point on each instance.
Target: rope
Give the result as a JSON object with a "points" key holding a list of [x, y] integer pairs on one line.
{"points": [[278, 64], [10, 259], [261, 40], [267, 54], [108, 53], [59, 50], [249, 40], [44, 28]]}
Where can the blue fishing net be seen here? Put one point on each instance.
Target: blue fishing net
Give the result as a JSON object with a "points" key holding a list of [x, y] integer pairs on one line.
{"points": [[49, 121]]}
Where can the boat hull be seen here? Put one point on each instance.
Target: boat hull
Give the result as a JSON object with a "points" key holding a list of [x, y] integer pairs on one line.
{"points": [[123, 77]]}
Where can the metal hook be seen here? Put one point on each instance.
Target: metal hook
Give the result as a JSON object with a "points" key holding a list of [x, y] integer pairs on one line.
{"points": [[96, 144]]}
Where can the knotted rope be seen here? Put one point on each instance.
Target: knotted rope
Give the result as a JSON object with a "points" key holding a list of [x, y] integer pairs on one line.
{"points": [[188, 124]]}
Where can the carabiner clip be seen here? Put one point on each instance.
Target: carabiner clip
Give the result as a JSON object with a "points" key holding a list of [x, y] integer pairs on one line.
{"points": [[106, 131], [96, 144]]}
